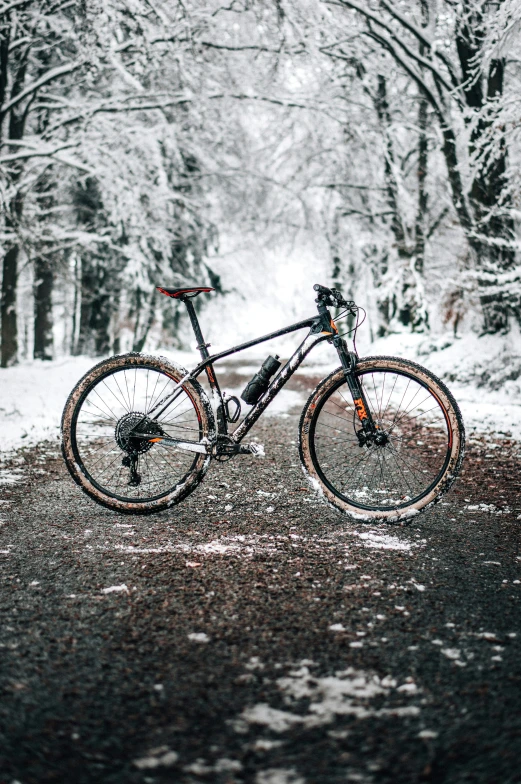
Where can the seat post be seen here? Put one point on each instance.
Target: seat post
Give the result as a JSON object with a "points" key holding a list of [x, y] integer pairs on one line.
{"points": [[201, 345]]}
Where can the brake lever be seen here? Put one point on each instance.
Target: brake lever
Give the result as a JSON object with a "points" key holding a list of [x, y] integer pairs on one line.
{"points": [[344, 303]]}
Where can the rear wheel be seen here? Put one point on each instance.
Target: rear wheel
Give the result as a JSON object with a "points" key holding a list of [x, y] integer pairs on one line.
{"points": [[416, 456], [102, 420]]}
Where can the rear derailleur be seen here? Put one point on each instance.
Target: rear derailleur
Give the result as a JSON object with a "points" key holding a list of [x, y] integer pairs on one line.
{"points": [[131, 461]]}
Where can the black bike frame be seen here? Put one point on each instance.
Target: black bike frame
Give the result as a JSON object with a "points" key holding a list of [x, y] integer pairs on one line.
{"points": [[321, 328]]}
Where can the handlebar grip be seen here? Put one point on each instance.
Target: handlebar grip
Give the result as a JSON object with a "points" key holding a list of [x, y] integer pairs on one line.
{"points": [[321, 289]]}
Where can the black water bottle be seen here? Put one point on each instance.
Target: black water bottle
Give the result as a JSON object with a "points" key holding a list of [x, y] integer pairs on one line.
{"points": [[260, 382]]}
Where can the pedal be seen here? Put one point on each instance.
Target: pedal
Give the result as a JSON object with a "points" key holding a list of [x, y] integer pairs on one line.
{"points": [[257, 450]]}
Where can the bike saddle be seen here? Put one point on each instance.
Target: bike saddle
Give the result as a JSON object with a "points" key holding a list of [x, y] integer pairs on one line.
{"points": [[177, 293]]}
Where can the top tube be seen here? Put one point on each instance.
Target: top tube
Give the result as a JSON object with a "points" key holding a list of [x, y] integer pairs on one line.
{"points": [[215, 357]]}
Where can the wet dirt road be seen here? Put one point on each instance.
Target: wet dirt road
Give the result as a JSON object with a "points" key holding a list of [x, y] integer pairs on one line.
{"points": [[252, 634]]}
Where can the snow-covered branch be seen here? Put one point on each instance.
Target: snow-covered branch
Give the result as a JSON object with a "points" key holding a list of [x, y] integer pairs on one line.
{"points": [[54, 73]]}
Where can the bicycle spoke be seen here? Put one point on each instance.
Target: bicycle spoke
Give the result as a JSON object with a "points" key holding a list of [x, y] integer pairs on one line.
{"points": [[114, 406], [402, 466]]}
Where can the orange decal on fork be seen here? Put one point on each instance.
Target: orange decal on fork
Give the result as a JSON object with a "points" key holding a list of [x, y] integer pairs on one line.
{"points": [[360, 409]]}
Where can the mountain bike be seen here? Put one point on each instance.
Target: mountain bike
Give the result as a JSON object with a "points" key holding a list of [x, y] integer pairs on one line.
{"points": [[381, 438]]}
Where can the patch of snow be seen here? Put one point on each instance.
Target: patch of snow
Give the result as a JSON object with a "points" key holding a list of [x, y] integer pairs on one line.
{"points": [[225, 765], [157, 758], [115, 589], [489, 636], [278, 776], [345, 693], [198, 768], [276, 720], [10, 477], [336, 627], [451, 653], [254, 664], [428, 734], [379, 541], [33, 396], [265, 744], [219, 548], [198, 637]]}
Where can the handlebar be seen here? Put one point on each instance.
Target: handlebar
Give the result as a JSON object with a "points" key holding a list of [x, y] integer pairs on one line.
{"points": [[333, 297]]}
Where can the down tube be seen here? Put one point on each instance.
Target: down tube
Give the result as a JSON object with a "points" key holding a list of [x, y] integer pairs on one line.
{"points": [[284, 375]]}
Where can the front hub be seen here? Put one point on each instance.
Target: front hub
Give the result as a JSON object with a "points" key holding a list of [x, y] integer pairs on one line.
{"points": [[378, 437], [381, 438]]}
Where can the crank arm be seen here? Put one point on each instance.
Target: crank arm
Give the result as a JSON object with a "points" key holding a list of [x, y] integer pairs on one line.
{"points": [[189, 446]]}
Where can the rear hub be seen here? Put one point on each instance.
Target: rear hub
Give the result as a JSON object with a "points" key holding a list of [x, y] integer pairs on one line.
{"points": [[128, 429]]}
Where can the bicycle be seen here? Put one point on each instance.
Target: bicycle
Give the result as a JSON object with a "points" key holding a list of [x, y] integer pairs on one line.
{"points": [[380, 438]]}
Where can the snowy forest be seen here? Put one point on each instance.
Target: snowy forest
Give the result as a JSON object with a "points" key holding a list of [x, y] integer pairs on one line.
{"points": [[166, 142]]}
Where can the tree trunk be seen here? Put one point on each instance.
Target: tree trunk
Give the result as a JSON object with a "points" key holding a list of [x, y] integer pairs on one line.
{"points": [[101, 315], [116, 329], [95, 309], [8, 307], [139, 342], [423, 157], [43, 320], [406, 303], [17, 119]]}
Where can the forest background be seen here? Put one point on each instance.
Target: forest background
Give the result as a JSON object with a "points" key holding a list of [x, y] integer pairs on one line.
{"points": [[260, 146]]}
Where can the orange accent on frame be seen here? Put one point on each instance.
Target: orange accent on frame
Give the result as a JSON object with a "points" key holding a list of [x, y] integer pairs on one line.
{"points": [[154, 440], [210, 375], [360, 409]]}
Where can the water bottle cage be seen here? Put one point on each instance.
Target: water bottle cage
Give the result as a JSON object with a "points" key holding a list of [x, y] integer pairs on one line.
{"points": [[231, 416]]}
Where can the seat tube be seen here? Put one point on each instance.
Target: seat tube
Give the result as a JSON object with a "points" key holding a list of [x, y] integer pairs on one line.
{"points": [[203, 350]]}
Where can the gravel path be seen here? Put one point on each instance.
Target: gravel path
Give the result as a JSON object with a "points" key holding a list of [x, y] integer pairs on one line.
{"points": [[252, 634]]}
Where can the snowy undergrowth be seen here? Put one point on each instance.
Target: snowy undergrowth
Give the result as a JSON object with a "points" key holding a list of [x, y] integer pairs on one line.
{"points": [[483, 373], [34, 394], [33, 397]]}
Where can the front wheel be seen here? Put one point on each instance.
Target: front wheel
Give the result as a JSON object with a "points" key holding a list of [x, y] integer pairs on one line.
{"points": [[417, 459], [101, 422]]}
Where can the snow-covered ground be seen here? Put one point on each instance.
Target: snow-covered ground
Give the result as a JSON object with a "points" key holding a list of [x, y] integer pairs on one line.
{"points": [[477, 370], [33, 393]]}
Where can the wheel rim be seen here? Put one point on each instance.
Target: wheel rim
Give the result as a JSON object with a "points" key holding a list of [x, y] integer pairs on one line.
{"points": [[103, 448], [400, 471]]}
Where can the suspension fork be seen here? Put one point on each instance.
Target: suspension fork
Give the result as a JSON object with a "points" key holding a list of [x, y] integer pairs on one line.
{"points": [[349, 362]]}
